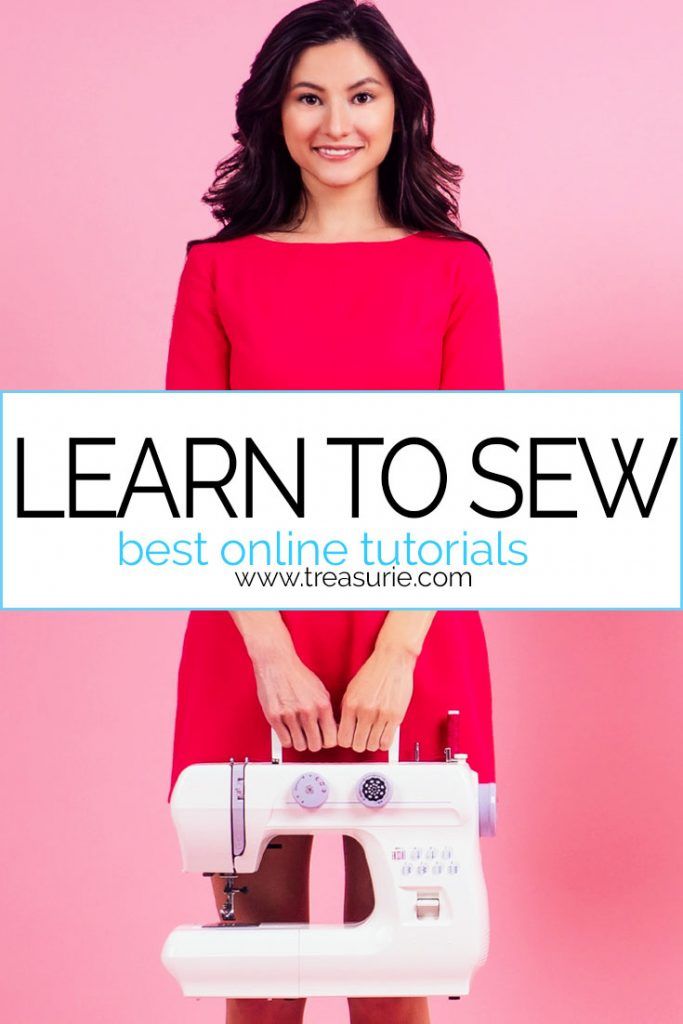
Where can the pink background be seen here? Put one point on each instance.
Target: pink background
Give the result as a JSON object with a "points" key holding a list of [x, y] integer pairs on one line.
{"points": [[565, 119]]}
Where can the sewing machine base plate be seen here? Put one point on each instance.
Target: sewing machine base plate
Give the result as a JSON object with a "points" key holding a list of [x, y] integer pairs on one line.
{"points": [[232, 924]]}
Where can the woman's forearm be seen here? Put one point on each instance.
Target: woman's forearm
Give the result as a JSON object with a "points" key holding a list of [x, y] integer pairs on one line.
{"points": [[404, 631], [264, 633], [294, 700], [378, 696]]}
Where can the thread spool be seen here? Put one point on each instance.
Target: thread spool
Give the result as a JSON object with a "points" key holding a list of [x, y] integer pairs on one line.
{"points": [[453, 731]]}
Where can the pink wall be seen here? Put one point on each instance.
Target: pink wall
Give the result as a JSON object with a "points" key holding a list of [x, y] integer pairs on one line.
{"points": [[565, 119]]}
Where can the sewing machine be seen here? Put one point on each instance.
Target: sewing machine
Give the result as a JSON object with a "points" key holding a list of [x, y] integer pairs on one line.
{"points": [[419, 823]]}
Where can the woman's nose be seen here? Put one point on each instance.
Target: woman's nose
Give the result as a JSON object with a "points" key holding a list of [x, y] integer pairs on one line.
{"points": [[337, 121]]}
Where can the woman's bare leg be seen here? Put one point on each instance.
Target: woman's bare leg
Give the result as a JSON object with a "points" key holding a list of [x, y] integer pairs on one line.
{"points": [[278, 891], [359, 900]]}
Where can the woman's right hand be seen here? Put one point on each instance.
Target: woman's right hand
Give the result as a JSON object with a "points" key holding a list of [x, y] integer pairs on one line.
{"points": [[294, 701]]}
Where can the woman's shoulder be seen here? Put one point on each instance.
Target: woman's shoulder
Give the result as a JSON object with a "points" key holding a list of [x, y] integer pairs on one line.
{"points": [[465, 247], [464, 259], [204, 256], [205, 248]]}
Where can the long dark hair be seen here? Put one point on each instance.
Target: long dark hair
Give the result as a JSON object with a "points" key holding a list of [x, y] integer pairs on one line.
{"points": [[258, 188]]}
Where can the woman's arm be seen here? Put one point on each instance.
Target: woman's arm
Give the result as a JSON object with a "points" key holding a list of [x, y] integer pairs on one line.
{"points": [[377, 698], [199, 349], [472, 358], [294, 700]]}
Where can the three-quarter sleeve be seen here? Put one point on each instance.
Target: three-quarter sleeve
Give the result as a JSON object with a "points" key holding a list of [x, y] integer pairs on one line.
{"points": [[199, 349], [472, 353]]}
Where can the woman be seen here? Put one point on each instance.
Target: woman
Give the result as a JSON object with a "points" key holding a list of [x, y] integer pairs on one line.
{"points": [[340, 266]]}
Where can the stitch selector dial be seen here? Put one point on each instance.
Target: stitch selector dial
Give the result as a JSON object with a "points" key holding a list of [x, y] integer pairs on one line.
{"points": [[310, 790], [374, 790]]}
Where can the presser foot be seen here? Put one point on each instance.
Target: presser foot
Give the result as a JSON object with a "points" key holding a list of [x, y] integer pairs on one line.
{"points": [[227, 911]]}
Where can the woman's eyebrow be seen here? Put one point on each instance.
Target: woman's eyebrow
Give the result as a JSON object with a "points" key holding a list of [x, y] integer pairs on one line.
{"points": [[320, 88]]}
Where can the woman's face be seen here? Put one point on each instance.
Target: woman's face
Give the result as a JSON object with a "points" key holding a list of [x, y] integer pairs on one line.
{"points": [[338, 114]]}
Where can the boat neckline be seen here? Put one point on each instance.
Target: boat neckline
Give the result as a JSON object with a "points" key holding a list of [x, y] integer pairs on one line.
{"points": [[380, 241]]}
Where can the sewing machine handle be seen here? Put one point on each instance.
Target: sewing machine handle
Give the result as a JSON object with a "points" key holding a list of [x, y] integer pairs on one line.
{"points": [[276, 747]]}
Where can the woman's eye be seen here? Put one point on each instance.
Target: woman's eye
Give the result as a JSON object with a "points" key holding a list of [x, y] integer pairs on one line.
{"points": [[305, 97]]}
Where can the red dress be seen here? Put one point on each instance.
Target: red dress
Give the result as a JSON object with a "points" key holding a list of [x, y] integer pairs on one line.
{"points": [[418, 312]]}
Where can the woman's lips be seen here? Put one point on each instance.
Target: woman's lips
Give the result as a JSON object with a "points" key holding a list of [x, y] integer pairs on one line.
{"points": [[335, 153]]}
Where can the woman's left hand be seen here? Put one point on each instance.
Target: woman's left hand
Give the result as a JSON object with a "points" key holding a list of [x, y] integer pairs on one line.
{"points": [[376, 700]]}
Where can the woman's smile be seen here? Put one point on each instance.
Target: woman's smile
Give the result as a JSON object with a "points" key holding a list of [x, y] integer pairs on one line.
{"points": [[336, 152]]}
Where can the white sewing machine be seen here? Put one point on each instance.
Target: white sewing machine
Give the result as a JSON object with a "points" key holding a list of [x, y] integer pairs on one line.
{"points": [[419, 823]]}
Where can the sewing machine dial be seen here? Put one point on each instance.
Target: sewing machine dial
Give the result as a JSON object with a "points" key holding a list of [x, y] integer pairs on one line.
{"points": [[374, 790], [310, 790]]}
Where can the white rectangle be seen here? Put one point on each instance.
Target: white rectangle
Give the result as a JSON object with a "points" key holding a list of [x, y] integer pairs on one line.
{"points": [[456, 556]]}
